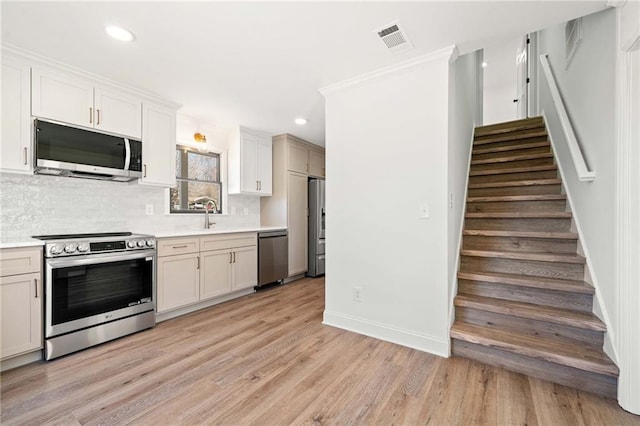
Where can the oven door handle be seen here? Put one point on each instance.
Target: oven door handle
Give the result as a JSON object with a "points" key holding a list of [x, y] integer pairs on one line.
{"points": [[93, 259]]}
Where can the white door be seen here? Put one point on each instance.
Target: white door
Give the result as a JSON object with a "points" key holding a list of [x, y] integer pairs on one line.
{"points": [[20, 314], [118, 113], [522, 77], [245, 267], [215, 273], [178, 281], [249, 163], [62, 97], [15, 150], [158, 146], [265, 168]]}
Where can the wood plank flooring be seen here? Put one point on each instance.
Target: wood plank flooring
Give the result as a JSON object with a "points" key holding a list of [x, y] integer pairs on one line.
{"points": [[266, 359]]}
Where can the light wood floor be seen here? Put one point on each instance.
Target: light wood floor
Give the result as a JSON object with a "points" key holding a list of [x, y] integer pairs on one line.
{"points": [[267, 359]]}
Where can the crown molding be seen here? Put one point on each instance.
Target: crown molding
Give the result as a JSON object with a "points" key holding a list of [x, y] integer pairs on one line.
{"points": [[447, 52]]}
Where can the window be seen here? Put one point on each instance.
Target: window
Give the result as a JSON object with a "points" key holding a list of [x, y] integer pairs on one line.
{"points": [[197, 182]]}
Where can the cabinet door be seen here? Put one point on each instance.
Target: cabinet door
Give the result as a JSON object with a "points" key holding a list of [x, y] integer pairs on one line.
{"points": [[316, 163], [118, 113], [245, 267], [178, 281], [265, 166], [298, 158], [215, 273], [249, 164], [62, 97], [158, 146], [297, 223], [15, 154], [20, 314]]}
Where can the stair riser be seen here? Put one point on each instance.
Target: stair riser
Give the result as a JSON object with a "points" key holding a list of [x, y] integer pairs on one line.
{"points": [[545, 330], [567, 271], [516, 190], [517, 206], [525, 151], [522, 244], [540, 296], [520, 224], [506, 177], [591, 382], [512, 164]]}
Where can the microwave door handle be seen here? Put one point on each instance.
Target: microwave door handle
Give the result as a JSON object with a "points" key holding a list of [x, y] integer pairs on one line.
{"points": [[127, 153]]}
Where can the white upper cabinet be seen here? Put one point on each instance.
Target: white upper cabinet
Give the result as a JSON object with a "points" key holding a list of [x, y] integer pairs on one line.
{"points": [[64, 97], [117, 112], [316, 163], [158, 146], [250, 168], [15, 149]]}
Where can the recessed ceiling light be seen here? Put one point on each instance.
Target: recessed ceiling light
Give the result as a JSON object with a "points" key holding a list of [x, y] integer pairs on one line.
{"points": [[119, 33], [301, 121], [484, 64]]}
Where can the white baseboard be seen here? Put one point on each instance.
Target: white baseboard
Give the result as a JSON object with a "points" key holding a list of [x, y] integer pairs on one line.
{"points": [[196, 307], [21, 360], [408, 338]]}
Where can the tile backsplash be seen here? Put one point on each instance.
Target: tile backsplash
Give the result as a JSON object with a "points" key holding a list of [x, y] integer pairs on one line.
{"points": [[40, 205]]}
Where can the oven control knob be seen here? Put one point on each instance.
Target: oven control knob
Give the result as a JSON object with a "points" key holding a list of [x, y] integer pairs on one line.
{"points": [[131, 244], [56, 249], [150, 243], [141, 243], [70, 248], [84, 247]]}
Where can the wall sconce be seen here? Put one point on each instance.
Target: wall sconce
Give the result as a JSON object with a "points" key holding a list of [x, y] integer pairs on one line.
{"points": [[199, 137]]}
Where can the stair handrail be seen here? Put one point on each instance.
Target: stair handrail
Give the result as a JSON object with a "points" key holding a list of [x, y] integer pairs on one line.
{"points": [[584, 174]]}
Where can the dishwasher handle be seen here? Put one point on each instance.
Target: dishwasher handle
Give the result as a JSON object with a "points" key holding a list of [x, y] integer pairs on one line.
{"points": [[273, 234]]}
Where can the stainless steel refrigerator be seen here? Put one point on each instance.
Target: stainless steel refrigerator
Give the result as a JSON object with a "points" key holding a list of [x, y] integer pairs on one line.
{"points": [[316, 227]]}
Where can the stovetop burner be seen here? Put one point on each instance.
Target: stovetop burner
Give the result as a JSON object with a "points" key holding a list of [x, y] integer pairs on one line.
{"points": [[77, 236]]}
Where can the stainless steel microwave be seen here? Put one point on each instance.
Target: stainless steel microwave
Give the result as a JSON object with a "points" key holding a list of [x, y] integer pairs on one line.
{"points": [[69, 151]]}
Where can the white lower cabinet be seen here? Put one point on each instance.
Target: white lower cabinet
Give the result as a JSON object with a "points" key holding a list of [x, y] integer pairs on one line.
{"points": [[20, 302], [214, 266], [178, 281]]}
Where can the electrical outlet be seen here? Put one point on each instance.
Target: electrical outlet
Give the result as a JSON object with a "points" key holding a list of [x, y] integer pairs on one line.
{"points": [[233, 211], [451, 200], [357, 294], [246, 211], [148, 209]]}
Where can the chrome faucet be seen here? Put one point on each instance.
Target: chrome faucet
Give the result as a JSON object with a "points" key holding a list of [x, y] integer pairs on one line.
{"points": [[207, 224]]}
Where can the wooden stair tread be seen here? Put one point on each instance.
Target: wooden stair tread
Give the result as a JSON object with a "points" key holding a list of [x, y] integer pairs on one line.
{"points": [[520, 255], [567, 317], [522, 169], [565, 353], [519, 215], [497, 198], [509, 158], [510, 126], [533, 132], [529, 281], [521, 234], [516, 147], [510, 183]]}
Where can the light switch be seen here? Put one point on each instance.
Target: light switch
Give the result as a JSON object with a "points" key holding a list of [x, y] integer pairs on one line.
{"points": [[148, 209], [424, 211]]}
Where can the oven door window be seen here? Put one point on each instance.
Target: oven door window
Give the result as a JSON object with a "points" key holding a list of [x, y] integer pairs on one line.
{"points": [[87, 290]]}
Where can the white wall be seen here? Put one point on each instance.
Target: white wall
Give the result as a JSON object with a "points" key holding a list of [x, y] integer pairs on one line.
{"points": [[463, 105], [386, 155], [500, 81], [587, 86]]}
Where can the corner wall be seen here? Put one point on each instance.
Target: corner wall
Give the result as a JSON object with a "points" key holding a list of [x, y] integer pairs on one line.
{"points": [[587, 86], [386, 157]]}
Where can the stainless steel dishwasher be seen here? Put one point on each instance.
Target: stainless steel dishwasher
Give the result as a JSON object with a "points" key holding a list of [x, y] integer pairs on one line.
{"points": [[273, 257]]}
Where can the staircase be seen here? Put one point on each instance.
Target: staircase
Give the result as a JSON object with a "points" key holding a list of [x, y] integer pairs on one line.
{"points": [[522, 302]]}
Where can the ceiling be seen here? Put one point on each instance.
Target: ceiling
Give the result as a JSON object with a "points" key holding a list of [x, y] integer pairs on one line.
{"points": [[260, 64]]}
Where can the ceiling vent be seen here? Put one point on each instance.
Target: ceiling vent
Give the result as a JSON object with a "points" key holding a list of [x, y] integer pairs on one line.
{"points": [[394, 37]]}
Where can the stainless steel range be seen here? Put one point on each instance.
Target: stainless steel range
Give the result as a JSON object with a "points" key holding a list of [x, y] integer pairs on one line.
{"points": [[98, 287]]}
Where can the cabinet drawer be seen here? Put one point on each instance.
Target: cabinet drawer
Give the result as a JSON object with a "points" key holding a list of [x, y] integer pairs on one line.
{"points": [[173, 246], [228, 241], [20, 261]]}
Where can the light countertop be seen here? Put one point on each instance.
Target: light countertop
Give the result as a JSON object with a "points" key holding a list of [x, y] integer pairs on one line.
{"points": [[214, 231], [17, 242]]}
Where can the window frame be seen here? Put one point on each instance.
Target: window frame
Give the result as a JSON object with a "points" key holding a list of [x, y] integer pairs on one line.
{"points": [[183, 180]]}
